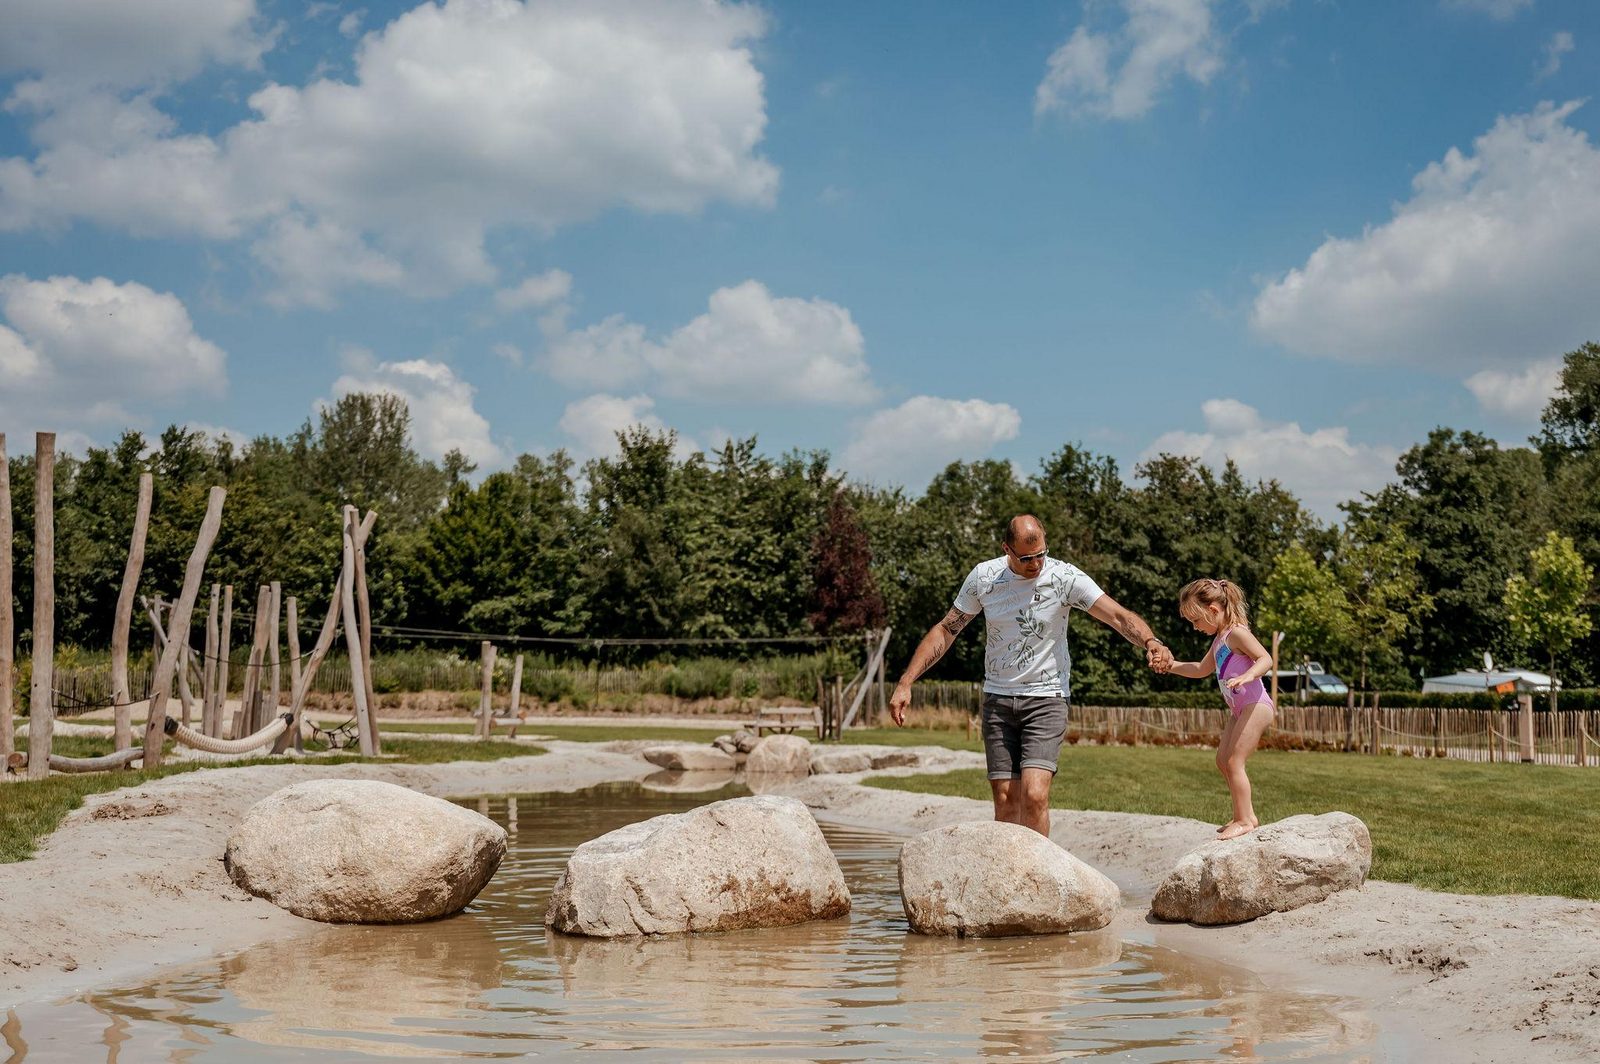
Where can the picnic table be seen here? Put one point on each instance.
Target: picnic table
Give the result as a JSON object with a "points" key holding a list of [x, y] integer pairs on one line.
{"points": [[786, 719]]}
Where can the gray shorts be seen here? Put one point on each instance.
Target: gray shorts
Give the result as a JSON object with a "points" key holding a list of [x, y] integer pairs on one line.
{"points": [[1022, 731]]}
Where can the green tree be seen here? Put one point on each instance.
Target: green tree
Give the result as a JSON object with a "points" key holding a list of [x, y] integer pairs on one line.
{"points": [[1545, 608], [1303, 600], [1376, 565], [845, 596], [1571, 420]]}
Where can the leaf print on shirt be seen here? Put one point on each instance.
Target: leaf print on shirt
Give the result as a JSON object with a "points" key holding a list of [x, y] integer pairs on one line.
{"points": [[1033, 633]]}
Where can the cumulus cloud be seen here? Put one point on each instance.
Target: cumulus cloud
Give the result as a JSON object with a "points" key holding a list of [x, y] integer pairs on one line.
{"points": [[1495, 9], [1121, 74], [749, 346], [459, 117], [909, 443], [540, 290], [1559, 44], [442, 413], [594, 422], [1324, 467], [74, 352], [1490, 263], [1519, 394]]}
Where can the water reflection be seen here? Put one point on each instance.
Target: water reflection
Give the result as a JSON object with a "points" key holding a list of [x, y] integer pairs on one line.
{"points": [[491, 983]]}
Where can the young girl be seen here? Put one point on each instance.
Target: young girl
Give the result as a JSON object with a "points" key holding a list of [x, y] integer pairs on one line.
{"points": [[1238, 659]]}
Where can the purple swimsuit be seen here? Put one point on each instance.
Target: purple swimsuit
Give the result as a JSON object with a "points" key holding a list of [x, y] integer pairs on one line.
{"points": [[1229, 665]]}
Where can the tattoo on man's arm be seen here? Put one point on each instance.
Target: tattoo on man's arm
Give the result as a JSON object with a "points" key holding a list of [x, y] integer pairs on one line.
{"points": [[1131, 628], [955, 621]]}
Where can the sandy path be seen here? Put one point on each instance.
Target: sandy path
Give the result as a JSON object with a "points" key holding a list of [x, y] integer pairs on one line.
{"points": [[135, 880]]}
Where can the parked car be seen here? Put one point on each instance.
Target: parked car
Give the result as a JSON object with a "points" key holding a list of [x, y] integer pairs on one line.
{"points": [[1311, 678]]}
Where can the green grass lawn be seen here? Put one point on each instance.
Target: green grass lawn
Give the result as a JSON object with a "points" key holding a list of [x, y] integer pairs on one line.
{"points": [[1464, 827], [29, 810]]}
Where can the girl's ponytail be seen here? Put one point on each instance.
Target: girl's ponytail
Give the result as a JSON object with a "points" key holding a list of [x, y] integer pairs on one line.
{"points": [[1234, 611], [1226, 596]]}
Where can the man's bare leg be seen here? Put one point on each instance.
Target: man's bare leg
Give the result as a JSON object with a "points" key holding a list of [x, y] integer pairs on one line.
{"points": [[1007, 800], [1035, 800]]}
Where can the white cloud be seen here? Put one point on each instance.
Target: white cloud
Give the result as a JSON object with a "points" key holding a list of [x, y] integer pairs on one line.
{"points": [[350, 25], [1519, 394], [909, 443], [1559, 44], [594, 422], [219, 432], [83, 44], [749, 346], [1495, 9], [1120, 74], [73, 352], [460, 117], [442, 413], [540, 290], [314, 259], [1490, 264], [1324, 467]]}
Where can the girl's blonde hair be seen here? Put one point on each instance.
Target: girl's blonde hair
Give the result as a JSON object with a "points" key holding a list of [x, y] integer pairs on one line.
{"points": [[1219, 593]]}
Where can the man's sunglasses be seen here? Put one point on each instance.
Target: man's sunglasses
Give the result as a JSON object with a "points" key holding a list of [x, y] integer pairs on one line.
{"points": [[1025, 559]]}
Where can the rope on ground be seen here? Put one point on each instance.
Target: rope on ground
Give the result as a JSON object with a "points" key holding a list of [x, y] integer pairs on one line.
{"points": [[189, 737], [121, 758]]}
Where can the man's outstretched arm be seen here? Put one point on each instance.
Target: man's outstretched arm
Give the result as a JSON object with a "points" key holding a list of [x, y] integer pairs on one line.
{"points": [[933, 646], [1113, 614]]}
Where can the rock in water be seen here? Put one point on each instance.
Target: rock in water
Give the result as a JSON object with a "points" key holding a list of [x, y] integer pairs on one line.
{"points": [[689, 758], [787, 755], [986, 879], [825, 762], [363, 852], [744, 862], [1275, 868]]}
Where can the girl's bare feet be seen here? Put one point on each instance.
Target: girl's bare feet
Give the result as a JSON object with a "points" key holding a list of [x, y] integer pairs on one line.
{"points": [[1235, 829]]}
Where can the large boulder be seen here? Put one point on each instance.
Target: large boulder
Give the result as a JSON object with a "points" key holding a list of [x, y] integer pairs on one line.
{"points": [[690, 758], [744, 862], [363, 852], [985, 879], [824, 762], [1275, 868], [784, 755]]}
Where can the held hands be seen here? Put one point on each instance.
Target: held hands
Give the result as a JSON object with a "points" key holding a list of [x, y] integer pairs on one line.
{"points": [[1158, 657]]}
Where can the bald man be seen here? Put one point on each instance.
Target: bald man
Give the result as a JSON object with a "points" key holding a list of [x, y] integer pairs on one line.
{"points": [[1025, 597]]}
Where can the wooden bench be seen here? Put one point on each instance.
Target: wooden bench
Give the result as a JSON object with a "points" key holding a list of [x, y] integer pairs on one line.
{"points": [[786, 719]]}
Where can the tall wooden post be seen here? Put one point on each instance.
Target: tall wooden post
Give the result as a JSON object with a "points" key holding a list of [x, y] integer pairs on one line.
{"points": [[486, 695], [1377, 736], [516, 686], [41, 701], [244, 723], [121, 694], [274, 659], [8, 631], [352, 635], [224, 648], [161, 685], [1277, 641], [208, 669], [295, 671], [364, 618], [1525, 727]]}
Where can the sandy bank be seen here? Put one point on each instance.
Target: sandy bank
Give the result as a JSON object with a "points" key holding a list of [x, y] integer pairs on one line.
{"points": [[135, 880]]}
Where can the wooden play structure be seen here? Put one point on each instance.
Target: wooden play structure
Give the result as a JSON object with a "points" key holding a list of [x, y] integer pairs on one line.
{"points": [[261, 723]]}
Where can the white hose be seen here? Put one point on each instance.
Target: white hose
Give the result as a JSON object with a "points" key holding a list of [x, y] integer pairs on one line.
{"points": [[265, 737]]}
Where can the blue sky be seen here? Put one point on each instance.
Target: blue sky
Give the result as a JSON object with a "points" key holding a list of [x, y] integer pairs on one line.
{"points": [[1293, 232]]}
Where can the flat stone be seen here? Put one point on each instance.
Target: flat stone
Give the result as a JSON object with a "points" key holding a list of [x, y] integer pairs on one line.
{"points": [[1277, 867], [826, 761], [897, 759], [740, 863], [985, 879], [689, 758], [780, 755], [363, 852]]}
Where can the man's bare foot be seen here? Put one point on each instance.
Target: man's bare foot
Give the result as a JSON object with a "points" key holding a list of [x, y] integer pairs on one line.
{"points": [[1235, 829]]}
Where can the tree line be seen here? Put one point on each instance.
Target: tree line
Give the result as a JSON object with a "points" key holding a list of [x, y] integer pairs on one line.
{"points": [[1474, 547]]}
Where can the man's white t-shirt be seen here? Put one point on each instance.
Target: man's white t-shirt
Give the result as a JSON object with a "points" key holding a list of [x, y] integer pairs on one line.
{"points": [[1026, 653]]}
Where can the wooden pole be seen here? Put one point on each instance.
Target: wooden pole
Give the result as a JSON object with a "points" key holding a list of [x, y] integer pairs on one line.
{"points": [[486, 694], [274, 642], [161, 685], [224, 648], [324, 643], [516, 686], [293, 621], [1277, 641], [364, 618], [121, 694], [41, 702], [8, 631], [208, 699], [244, 722], [1525, 727], [352, 635]]}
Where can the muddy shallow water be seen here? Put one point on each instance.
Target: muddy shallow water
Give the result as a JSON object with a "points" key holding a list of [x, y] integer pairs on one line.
{"points": [[491, 983]]}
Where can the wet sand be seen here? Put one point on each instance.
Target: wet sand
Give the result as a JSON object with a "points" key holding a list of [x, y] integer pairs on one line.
{"points": [[134, 881]]}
